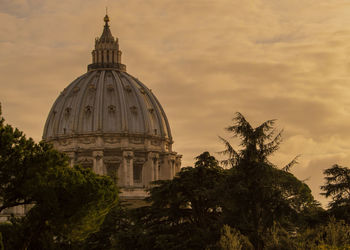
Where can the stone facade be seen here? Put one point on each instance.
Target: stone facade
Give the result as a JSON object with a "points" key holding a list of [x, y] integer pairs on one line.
{"points": [[132, 161]]}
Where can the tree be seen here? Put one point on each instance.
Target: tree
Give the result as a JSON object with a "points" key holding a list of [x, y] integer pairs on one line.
{"points": [[184, 213], [338, 188], [232, 239], [67, 203], [333, 235], [120, 230], [256, 193]]}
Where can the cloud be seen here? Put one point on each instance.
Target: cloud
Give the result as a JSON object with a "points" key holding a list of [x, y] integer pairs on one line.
{"points": [[203, 59]]}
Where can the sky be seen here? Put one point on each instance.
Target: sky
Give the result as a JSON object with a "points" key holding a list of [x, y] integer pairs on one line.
{"points": [[204, 60]]}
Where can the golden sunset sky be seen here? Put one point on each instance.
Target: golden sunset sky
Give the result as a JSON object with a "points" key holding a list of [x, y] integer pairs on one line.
{"points": [[204, 60]]}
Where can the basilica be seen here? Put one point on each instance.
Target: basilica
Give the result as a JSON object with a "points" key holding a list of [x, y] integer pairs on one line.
{"points": [[109, 121]]}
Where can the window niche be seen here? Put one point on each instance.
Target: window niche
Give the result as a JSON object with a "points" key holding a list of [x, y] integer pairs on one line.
{"points": [[112, 170], [86, 163], [137, 170]]}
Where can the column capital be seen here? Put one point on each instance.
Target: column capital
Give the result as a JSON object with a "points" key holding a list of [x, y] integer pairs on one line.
{"points": [[97, 154]]}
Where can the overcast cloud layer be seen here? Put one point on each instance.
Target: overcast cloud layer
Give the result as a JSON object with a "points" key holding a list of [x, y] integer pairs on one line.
{"points": [[205, 60]]}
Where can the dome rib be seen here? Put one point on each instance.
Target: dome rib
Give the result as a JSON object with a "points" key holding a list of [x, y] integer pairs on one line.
{"points": [[141, 104], [163, 118], [81, 96], [99, 105], [121, 98], [61, 129]]}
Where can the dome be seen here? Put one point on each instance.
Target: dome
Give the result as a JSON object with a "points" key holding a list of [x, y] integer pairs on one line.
{"points": [[109, 121], [107, 101]]}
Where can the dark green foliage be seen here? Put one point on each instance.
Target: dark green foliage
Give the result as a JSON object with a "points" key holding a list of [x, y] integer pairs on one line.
{"points": [[258, 194], [232, 239], [338, 188], [118, 231], [67, 203], [277, 238], [332, 235], [185, 212]]}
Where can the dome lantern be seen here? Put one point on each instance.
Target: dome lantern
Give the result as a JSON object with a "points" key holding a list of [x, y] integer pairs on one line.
{"points": [[106, 54]]}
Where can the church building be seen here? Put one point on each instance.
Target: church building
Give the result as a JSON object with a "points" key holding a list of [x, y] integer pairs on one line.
{"points": [[109, 121]]}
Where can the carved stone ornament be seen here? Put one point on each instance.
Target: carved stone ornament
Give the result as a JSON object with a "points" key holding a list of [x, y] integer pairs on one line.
{"points": [[65, 142], [155, 159], [136, 140], [84, 160], [76, 89], [110, 87], [112, 160], [88, 109], [92, 87], [128, 156], [67, 112], [139, 161], [87, 140], [112, 140], [127, 88], [133, 110], [155, 143], [112, 109]]}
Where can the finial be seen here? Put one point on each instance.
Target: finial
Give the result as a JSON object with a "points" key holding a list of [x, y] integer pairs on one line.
{"points": [[106, 19]]}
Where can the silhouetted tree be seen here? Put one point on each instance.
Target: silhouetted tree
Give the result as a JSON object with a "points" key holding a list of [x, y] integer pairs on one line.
{"points": [[337, 187], [257, 194]]}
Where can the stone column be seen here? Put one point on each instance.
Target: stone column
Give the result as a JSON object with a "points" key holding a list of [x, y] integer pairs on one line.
{"points": [[165, 168], [128, 168], [150, 168], [178, 163], [155, 172], [98, 162], [99, 56], [115, 56], [110, 52], [94, 56], [104, 56], [119, 56], [147, 169], [171, 166]]}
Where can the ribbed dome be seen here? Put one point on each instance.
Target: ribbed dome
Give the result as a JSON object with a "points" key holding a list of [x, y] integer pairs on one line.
{"points": [[106, 101]]}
